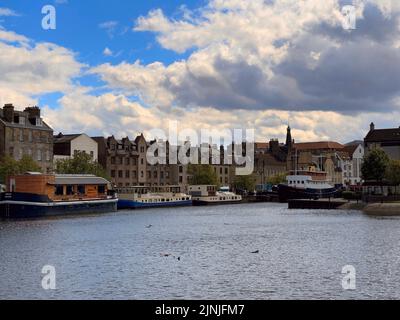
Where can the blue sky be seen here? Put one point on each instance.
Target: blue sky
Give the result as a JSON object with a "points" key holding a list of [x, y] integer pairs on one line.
{"points": [[122, 67]]}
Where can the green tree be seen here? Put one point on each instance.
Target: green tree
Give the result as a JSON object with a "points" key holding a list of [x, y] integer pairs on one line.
{"points": [[27, 164], [277, 179], [393, 172], [246, 183], [10, 166], [202, 174], [81, 163], [375, 165]]}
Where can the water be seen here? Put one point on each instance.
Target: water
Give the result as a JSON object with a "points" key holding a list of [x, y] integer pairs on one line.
{"points": [[115, 256]]}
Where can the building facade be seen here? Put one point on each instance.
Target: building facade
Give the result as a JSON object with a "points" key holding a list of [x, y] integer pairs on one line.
{"points": [[66, 146], [25, 133], [386, 139], [352, 164], [320, 156]]}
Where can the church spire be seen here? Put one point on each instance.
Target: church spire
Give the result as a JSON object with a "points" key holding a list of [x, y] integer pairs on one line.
{"points": [[289, 140]]}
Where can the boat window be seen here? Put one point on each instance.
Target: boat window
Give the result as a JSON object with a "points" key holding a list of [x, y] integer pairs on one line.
{"points": [[59, 190], [81, 189], [102, 189], [70, 190]]}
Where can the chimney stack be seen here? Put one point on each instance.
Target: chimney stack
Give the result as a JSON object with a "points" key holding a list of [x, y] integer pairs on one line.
{"points": [[34, 112], [8, 112], [372, 127]]}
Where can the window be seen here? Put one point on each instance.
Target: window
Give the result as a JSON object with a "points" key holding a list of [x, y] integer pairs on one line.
{"points": [[112, 160], [101, 189], [141, 174], [20, 154], [59, 190], [92, 154], [226, 170], [48, 155], [112, 173], [22, 120], [127, 161], [81, 189], [120, 174], [142, 149], [21, 135], [134, 175], [142, 161], [39, 155], [70, 190], [30, 136], [155, 175], [127, 174]]}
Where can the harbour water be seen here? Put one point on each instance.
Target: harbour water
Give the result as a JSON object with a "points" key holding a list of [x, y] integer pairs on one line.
{"points": [[134, 254]]}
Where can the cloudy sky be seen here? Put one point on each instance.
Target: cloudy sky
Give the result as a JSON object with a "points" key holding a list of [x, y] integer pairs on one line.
{"points": [[123, 67]]}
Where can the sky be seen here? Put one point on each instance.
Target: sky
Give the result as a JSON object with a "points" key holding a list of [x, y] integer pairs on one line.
{"points": [[125, 67]]}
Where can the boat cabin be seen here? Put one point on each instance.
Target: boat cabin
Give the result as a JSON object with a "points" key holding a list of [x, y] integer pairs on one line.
{"points": [[59, 187], [203, 190]]}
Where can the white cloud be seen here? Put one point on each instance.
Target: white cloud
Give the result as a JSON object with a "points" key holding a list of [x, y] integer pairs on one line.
{"points": [[6, 12], [110, 27], [107, 52]]}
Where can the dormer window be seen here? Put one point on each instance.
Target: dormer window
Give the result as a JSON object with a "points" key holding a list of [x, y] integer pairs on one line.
{"points": [[22, 121], [39, 122]]}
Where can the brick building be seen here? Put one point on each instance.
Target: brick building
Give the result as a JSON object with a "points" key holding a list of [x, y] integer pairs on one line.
{"points": [[25, 133]]}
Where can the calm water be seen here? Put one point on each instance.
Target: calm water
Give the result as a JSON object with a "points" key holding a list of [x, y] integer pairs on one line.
{"points": [[116, 257]]}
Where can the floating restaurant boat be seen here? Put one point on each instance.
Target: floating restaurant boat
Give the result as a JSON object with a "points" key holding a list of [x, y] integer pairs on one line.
{"points": [[306, 185], [203, 195], [36, 195], [152, 197]]}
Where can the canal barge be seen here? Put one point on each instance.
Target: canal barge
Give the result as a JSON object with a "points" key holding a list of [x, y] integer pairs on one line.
{"points": [[141, 197], [34, 195], [205, 195]]}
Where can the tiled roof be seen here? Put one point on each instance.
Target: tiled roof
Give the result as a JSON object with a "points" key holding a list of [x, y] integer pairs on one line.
{"points": [[351, 149], [65, 138], [261, 145], [319, 145], [383, 135]]}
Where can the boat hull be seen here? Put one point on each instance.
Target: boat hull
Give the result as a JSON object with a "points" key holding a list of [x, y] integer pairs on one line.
{"points": [[26, 206], [131, 204], [199, 203], [286, 193]]}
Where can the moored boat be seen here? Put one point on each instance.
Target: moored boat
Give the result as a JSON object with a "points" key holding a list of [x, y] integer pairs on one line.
{"points": [[306, 185], [37, 195], [204, 195], [140, 197]]}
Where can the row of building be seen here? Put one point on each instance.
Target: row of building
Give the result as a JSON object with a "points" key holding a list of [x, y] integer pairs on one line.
{"points": [[26, 133]]}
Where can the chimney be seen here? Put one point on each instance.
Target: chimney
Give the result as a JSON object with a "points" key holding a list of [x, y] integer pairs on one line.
{"points": [[34, 112], [8, 112], [372, 127]]}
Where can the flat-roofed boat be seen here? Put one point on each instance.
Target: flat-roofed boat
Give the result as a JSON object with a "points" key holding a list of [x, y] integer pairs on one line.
{"points": [[204, 195], [139, 197], [36, 195]]}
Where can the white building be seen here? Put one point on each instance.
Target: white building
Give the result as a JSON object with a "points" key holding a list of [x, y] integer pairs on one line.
{"points": [[66, 146], [351, 165]]}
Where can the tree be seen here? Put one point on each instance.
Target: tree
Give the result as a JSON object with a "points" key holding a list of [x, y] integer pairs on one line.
{"points": [[81, 163], [375, 165], [245, 183], [202, 174], [277, 179], [9, 166], [393, 172]]}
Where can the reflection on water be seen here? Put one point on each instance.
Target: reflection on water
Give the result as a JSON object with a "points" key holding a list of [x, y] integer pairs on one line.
{"points": [[134, 254]]}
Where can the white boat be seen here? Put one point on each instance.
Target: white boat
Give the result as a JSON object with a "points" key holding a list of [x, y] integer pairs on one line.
{"points": [[203, 195], [152, 197]]}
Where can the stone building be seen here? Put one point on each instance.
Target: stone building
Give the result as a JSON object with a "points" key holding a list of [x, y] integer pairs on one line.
{"points": [[67, 145], [320, 156], [270, 159], [25, 133], [386, 139]]}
